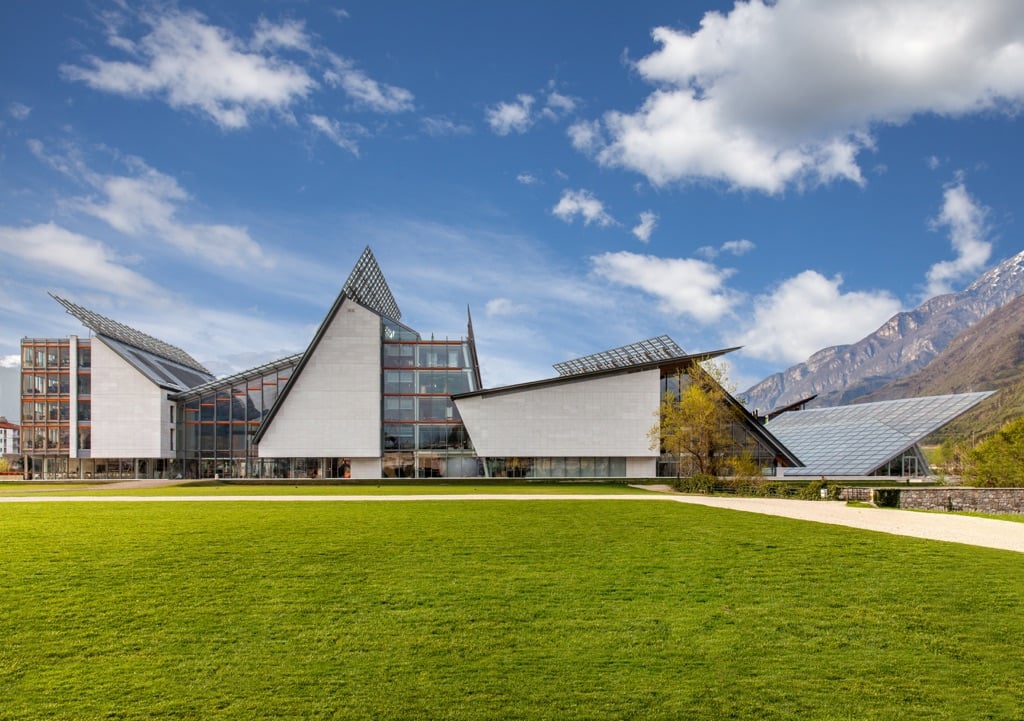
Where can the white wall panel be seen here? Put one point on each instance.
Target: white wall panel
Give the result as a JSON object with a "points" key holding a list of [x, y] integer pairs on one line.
{"points": [[128, 410], [333, 407], [603, 416]]}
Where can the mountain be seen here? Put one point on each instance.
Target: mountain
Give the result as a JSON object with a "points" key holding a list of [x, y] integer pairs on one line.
{"points": [[905, 344], [987, 356]]}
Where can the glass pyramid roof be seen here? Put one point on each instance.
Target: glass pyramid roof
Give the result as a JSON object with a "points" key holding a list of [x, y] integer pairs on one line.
{"points": [[366, 285], [856, 440]]}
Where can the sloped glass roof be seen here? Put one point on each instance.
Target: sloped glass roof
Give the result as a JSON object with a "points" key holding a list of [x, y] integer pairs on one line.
{"points": [[366, 284], [645, 351], [856, 440], [108, 328]]}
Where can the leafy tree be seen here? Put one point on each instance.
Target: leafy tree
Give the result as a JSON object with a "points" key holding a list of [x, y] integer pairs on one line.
{"points": [[695, 424], [5, 465], [999, 459]]}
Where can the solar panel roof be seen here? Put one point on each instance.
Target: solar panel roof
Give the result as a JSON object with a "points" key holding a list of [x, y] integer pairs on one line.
{"points": [[645, 351], [856, 440]]}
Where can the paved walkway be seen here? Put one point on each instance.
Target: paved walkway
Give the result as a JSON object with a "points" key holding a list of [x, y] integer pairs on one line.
{"points": [[1007, 535]]}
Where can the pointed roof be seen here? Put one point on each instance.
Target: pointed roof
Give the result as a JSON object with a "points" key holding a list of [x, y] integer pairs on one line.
{"points": [[366, 284]]}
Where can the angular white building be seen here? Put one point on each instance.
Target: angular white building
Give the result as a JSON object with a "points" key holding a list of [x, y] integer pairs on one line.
{"points": [[369, 398]]}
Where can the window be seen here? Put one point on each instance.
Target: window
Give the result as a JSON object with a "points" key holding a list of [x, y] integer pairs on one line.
{"points": [[172, 421], [171, 437]]}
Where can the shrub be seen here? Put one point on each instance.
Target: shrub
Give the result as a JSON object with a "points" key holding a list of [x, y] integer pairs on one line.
{"points": [[999, 459]]}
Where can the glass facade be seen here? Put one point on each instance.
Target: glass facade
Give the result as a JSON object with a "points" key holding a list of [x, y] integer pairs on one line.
{"points": [[423, 435], [48, 411], [745, 442]]}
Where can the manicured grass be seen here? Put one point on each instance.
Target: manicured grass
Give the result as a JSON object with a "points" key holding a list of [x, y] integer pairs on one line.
{"points": [[354, 489], [495, 610]]}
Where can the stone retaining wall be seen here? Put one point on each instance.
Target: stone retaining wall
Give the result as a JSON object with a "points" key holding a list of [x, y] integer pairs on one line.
{"points": [[946, 498]]}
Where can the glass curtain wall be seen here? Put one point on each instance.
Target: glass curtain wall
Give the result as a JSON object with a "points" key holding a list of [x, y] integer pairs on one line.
{"points": [[46, 405], [423, 435], [218, 421]]}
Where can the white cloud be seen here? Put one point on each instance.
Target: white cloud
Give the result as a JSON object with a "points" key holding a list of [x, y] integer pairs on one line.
{"points": [[733, 247], [965, 220], [514, 117], [557, 105], [809, 312], [19, 111], [738, 247], [933, 162], [198, 66], [527, 179], [582, 203], [503, 307], [10, 361], [60, 254], [441, 126], [148, 202], [367, 92], [194, 65], [643, 230], [342, 137], [771, 95], [683, 286]]}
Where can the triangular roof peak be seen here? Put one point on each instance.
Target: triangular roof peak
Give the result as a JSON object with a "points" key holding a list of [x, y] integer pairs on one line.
{"points": [[366, 285]]}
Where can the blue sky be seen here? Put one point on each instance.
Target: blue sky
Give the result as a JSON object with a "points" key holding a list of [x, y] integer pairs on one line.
{"points": [[582, 175]]}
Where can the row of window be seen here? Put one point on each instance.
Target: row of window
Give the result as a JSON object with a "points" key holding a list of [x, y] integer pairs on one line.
{"points": [[425, 355], [54, 384], [556, 467], [54, 411], [54, 438], [54, 356], [398, 382]]}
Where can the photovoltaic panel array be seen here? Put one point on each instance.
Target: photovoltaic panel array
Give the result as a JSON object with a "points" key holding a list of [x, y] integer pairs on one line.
{"points": [[645, 351], [366, 284], [104, 326]]}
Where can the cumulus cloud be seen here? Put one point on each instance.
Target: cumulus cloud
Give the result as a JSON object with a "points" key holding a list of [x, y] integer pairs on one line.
{"points": [[527, 179], [683, 286], [194, 65], [519, 116], [514, 117], [583, 204], [809, 312], [10, 361], [55, 252], [643, 230], [558, 106], [771, 95], [965, 220]]}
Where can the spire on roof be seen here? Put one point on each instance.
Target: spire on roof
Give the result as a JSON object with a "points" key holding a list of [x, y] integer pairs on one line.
{"points": [[366, 284]]}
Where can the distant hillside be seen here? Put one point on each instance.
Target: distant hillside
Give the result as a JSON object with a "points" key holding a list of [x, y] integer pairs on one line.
{"points": [[987, 356], [904, 345]]}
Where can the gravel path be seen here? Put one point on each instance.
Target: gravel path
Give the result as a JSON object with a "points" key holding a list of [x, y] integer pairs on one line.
{"points": [[1007, 535]]}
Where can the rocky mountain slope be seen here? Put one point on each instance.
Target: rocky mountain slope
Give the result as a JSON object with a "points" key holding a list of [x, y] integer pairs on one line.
{"points": [[905, 344], [987, 356]]}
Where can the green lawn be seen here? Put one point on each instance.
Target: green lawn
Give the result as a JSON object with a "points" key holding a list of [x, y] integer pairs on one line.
{"points": [[306, 489], [495, 610]]}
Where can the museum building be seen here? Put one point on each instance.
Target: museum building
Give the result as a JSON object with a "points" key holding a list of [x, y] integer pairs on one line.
{"points": [[368, 398]]}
